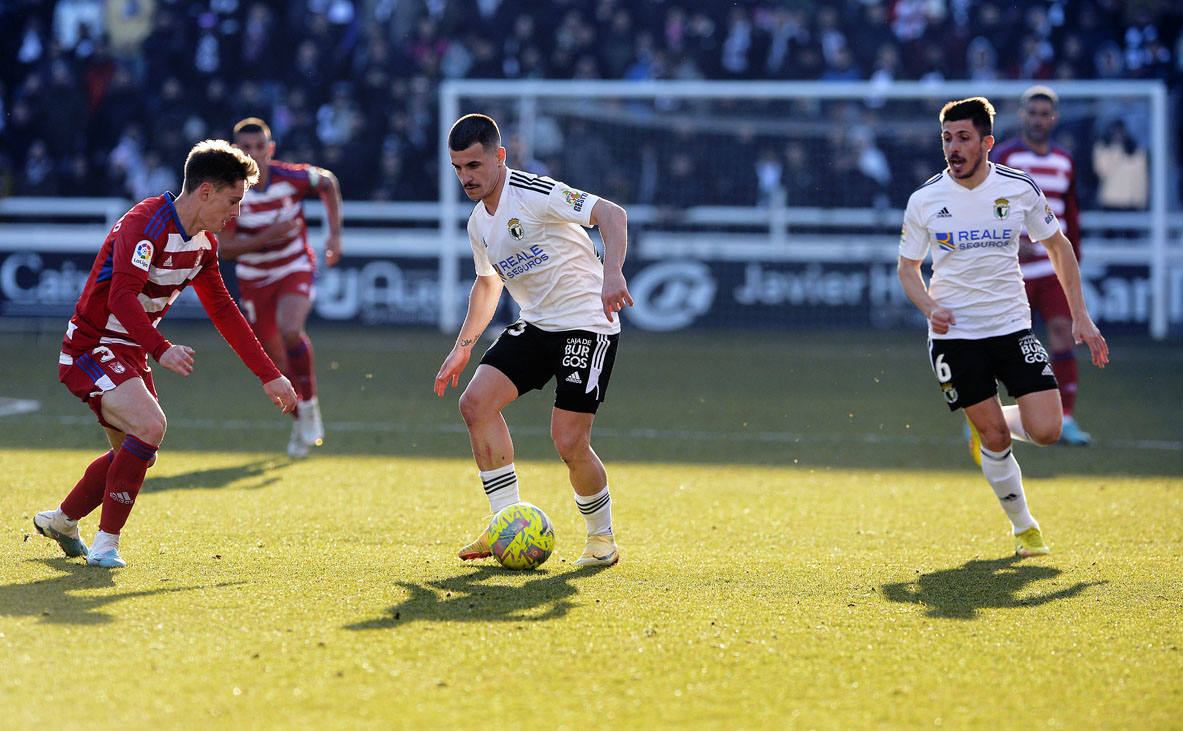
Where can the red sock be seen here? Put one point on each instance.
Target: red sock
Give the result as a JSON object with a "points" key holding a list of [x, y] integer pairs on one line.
{"points": [[1064, 366], [300, 369], [88, 493], [124, 480]]}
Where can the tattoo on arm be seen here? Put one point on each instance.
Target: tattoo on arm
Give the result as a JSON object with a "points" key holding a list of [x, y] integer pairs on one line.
{"points": [[465, 342]]}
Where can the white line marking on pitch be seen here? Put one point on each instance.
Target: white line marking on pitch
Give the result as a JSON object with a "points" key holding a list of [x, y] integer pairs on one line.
{"points": [[13, 406], [653, 434]]}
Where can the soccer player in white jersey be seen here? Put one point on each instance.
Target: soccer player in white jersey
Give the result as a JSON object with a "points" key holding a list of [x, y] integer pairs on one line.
{"points": [[979, 323], [527, 236], [1053, 169]]}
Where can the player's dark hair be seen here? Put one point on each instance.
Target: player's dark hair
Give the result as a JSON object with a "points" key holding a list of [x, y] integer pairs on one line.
{"points": [[252, 125], [219, 163], [474, 128], [977, 109]]}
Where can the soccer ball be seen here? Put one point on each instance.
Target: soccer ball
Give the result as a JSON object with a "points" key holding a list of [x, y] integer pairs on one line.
{"points": [[521, 536]]}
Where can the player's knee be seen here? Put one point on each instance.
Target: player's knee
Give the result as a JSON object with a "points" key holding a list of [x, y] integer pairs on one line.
{"points": [[474, 408], [994, 438], [1046, 433], [571, 446], [292, 336], [150, 429]]}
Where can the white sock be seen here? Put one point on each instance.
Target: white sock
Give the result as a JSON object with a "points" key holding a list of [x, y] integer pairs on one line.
{"points": [[1003, 474], [501, 487], [104, 542], [597, 511], [1014, 422]]}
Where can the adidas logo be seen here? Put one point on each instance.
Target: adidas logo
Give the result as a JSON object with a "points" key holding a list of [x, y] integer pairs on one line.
{"points": [[944, 213], [1047, 370], [122, 497], [574, 377], [168, 262]]}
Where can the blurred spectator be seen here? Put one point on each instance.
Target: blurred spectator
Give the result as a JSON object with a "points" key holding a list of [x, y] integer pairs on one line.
{"points": [[1122, 168], [39, 178], [71, 17], [768, 177], [128, 23], [151, 177], [182, 69]]}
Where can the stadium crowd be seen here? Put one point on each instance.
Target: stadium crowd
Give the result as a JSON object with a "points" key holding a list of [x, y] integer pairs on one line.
{"points": [[102, 98]]}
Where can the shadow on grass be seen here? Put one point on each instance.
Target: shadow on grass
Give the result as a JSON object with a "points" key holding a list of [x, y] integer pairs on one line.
{"points": [[465, 598], [53, 599], [983, 584], [264, 470]]}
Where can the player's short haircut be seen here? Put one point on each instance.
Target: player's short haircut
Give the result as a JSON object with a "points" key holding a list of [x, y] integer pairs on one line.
{"points": [[474, 128], [977, 109], [1039, 91], [219, 163], [252, 125]]}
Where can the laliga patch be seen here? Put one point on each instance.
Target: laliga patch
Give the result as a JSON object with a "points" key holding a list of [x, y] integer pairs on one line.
{"points": [[141, 257]]}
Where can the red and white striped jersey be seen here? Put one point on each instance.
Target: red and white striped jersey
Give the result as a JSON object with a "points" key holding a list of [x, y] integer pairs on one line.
{"points": [[144, 264], [1055, 173], [288, 184]]}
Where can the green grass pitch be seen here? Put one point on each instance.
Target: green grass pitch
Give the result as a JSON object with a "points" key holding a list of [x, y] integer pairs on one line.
{"points": [[805, 544]]}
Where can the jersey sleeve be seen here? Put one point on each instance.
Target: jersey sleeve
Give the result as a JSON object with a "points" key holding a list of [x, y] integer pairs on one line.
{"points": [[484, 268], [914, 235], [228, 319], [1041, 223], [568, 204]]}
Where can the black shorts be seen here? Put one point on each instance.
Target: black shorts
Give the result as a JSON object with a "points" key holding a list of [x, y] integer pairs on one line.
{"points": [[579, 360], [968, 370]]}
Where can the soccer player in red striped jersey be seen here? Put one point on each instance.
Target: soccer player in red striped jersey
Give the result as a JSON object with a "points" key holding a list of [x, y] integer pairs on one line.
{"points": [[276, 267], [156, 250], [1052, 167]]}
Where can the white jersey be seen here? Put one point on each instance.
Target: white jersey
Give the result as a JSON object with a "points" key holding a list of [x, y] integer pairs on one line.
{"points": [[535, 244], [974, 237]]}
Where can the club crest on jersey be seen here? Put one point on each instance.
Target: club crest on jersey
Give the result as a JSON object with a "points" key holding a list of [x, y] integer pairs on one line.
{"points": [[141, 256], [945, 240], [516, 230], [1001, 208]]}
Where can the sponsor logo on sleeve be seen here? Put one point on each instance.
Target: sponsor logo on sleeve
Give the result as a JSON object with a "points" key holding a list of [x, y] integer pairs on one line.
{"points": [[575, 198], [141, 256], [1048, 215]]}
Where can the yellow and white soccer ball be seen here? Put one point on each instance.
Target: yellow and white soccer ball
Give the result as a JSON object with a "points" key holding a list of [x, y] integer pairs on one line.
{"points": [[521, 536]]}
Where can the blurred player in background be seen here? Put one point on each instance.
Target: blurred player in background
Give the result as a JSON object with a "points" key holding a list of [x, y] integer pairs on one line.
{"points": [[1054, 171], [276, 267], [527, 236], [979, 322], [152, 253]]}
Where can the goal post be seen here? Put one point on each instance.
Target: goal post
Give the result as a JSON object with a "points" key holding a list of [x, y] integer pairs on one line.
{"points": [[779, 204]]}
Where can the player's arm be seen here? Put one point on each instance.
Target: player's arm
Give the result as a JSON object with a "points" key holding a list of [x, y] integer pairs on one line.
{"points": [[329, 190], [482, 304], [1063, 258], [613, 224], [940, 318], [233, 327], [232, 242]]}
